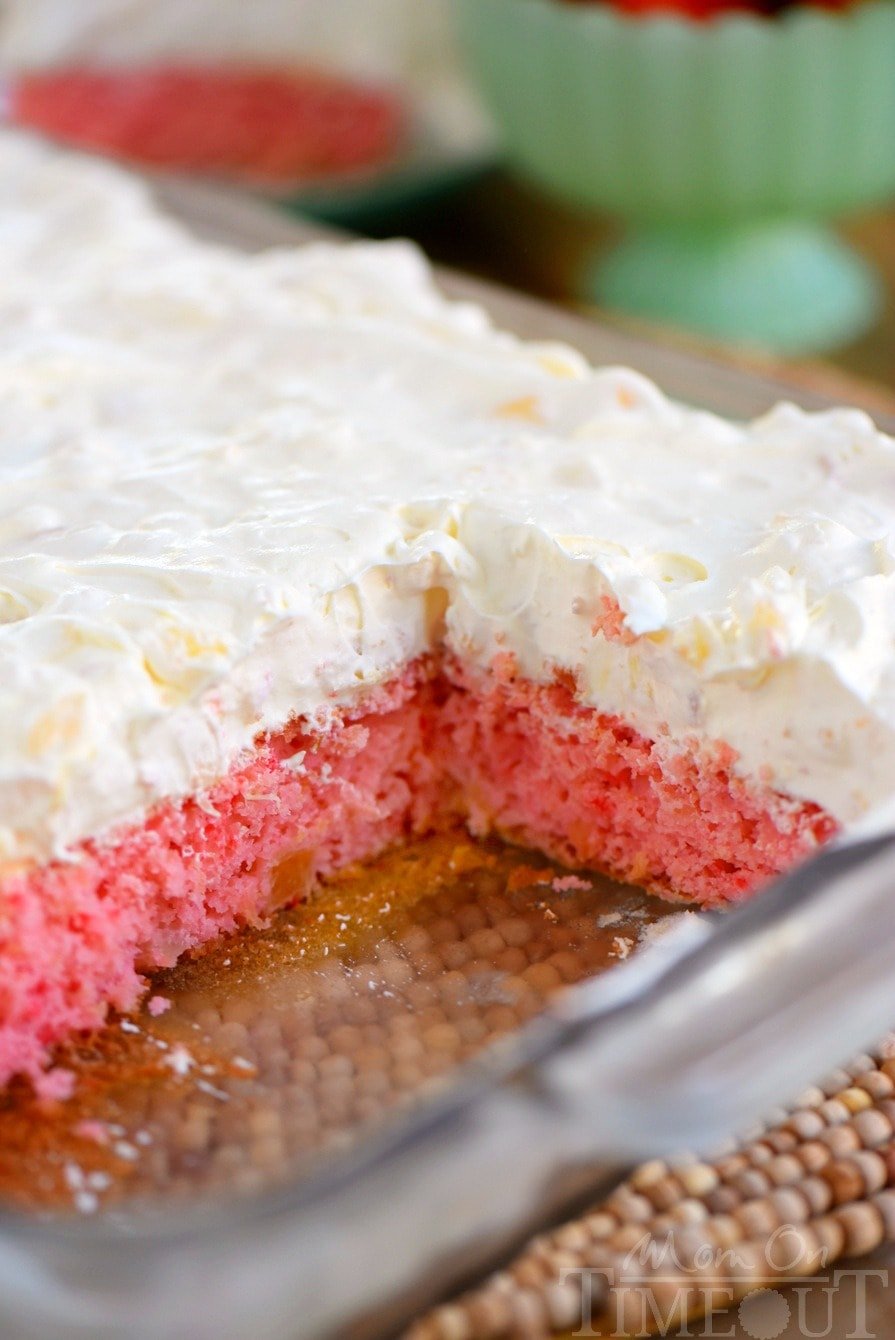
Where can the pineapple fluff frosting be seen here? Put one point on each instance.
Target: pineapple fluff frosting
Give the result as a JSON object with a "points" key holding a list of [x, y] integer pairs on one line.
{"points": [[241, 489]]}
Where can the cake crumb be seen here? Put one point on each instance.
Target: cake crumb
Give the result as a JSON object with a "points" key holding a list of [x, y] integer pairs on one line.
{"points": [[570, 884], [74, 1176], [85, 1201], [527, 876], [657, 929], [97, 1131], [608, 919], [56, 1085], [180, 1060], [621, 946], [158, 1005], [465, 858]]}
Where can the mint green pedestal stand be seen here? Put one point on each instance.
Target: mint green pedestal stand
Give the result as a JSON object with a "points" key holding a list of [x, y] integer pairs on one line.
{"points": [[722, 146], [791, 287]]}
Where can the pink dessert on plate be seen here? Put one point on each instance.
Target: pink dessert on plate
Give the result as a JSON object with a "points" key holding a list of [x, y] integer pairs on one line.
{"points": [[259, 123]]}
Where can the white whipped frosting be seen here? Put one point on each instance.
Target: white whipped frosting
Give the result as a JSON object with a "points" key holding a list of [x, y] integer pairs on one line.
{"points": [[229, 484]]}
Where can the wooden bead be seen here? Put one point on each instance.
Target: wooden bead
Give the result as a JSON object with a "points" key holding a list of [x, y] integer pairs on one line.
{"points": [[759, 1218], [831, 1237], [665, 1192], [814, 1155], [627, 1237], [752, 1183], [877, 1084], [855, 1099], [835, 1081], [845, 1180], [448, 1323], [781, 1141], [863, 1226], [873, 1128], [885, 1203], [873, 1170], [791, 1206], [749, 1266], [490, 1315], [818, 1193], [572, 1237], [689, 1211], [725, 1231], [530, 1316], [834, 1112], [629, 1207], [687, 1243], [887, 1107], [648, 1174], [698, 1180], [528, 1272], [564, 1304], [732, 1164], [724, 1200], [806, 1124], [795, 1251], [841, 1140], [784, 1169], [600, 1224], [758, 1152]]}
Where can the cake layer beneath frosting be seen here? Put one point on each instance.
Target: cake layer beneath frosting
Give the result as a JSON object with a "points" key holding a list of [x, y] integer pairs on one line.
{"points": [[430, 748], [77, 935], [235, 490]]}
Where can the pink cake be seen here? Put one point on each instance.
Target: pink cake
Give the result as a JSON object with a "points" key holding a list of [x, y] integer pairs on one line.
{"points": [[522, 759], [298, 561]]}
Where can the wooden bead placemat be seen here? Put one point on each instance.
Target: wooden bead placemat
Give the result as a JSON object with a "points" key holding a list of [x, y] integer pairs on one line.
{"points": [[812, 1187]]}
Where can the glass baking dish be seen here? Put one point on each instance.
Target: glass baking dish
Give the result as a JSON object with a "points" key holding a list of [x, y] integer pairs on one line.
{"points": [[270, 1182]]}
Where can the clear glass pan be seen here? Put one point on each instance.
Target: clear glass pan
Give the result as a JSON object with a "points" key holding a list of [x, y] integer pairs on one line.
{"points": [[676, 1045]]}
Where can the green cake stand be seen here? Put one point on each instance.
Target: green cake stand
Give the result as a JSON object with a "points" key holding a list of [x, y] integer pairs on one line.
{"points": [[724, 146]]}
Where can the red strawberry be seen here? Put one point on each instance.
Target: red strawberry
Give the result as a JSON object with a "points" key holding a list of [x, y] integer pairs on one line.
{"points": [[707, 9]]}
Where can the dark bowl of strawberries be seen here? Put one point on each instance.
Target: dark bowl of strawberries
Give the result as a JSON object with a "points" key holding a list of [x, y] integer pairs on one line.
{"points": [[724, 133]]}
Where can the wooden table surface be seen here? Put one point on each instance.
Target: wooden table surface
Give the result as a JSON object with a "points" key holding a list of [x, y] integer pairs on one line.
{"points": [[502, 230]]}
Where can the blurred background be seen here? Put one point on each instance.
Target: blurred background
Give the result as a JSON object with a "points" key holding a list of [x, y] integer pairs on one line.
{"points": [[717, 173]]}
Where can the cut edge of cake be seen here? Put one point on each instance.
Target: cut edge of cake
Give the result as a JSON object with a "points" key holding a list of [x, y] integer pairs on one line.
{"points": [[440, 743], [316, 561]]}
